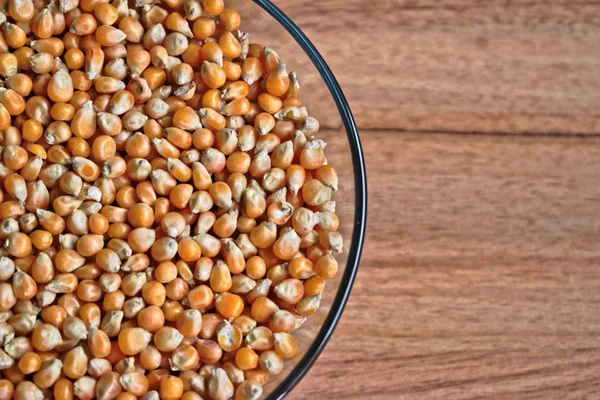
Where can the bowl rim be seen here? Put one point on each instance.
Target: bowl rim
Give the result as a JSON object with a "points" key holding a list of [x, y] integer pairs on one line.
{"points": [[360, 215]]}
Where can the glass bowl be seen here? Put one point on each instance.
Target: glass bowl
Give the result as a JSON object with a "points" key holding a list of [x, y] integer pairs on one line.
{"points": [[324, 100]]}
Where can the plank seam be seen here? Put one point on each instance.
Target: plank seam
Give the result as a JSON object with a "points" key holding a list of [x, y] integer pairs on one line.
{"points": [[477, 133]]}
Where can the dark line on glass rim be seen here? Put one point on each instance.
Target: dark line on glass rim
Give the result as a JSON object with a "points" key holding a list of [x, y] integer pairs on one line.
{"points": [[360, 217]]}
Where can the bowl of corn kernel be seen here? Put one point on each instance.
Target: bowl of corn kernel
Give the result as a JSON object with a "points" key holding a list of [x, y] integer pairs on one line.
{"points": [[182, 203]]}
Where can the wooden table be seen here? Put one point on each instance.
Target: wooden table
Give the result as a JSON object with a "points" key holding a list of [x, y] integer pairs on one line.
{"points": [[480, 122]]}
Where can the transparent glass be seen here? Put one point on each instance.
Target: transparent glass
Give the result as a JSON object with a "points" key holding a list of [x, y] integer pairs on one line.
{"points": [[322, 96]]}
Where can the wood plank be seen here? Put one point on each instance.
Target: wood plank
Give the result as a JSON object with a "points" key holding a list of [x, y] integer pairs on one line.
{"points": [[484, 285], [527, 66]]}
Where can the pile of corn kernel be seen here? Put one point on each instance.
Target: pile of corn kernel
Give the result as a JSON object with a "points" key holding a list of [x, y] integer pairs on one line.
{"points": [[166, 213]]}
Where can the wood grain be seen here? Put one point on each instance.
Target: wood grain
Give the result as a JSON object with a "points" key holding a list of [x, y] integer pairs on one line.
{"points": [[526, 66], [481, 132], [485, 285]]}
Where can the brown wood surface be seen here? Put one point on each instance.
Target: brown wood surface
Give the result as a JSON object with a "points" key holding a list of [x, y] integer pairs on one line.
{"points": [[498, 66], [480, 122]]}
